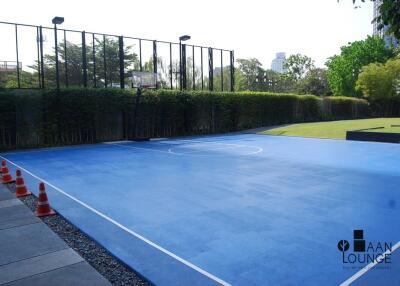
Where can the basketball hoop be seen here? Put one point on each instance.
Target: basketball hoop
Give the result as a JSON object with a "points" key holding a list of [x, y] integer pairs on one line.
{"points": [[141, 80], [144, 79]]}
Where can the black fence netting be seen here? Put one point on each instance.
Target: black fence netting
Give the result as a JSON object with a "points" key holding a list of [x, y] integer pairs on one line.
{"points": [[41, 118]]}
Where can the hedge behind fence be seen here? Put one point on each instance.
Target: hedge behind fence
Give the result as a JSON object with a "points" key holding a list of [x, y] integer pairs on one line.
{"points": [[75, 116], [386, 107]]}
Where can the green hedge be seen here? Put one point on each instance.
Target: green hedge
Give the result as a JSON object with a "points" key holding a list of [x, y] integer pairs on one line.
{"points": [[76, 116], [386, 107]]}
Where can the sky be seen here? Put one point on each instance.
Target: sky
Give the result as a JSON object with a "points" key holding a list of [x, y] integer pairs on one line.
{"points": [[252, 28]]}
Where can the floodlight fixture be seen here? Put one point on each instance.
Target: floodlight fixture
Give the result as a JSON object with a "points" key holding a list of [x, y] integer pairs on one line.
{"points": [[184, 38], [58, 20]]}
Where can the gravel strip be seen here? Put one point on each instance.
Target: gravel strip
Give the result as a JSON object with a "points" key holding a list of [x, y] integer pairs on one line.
{"points": [[97, 256]]}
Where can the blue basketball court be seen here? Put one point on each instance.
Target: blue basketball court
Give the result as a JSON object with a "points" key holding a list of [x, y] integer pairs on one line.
{"points": [[230, 210]]}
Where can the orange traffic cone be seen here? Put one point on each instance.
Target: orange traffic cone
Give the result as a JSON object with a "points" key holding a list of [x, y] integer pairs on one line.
{"points": [[43, 207], [21, 189], [5, 173]]}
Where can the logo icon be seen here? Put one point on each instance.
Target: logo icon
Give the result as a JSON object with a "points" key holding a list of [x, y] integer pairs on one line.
{"points": [[364, 252], [343, 245], [359, 242]]}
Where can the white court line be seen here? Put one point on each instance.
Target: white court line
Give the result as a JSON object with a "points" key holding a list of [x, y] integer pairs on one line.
{"points": [[370, 266], [206, 150], [259, 149], [135, 147], [210, 142], [216, 149], [187, 263]]}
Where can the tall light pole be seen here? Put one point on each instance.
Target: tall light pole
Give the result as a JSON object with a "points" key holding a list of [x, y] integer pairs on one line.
{"points": [[182, 39], [57, 21]]}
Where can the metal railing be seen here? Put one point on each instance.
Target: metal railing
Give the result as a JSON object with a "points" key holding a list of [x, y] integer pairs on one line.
{"points": [[90, 59]]}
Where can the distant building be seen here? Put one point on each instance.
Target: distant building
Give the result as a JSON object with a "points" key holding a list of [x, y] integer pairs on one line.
{"points": [[278, 62], [389, 40]]}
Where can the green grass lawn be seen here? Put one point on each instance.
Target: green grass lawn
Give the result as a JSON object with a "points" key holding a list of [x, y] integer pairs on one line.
{"points": [[388, 129], [334, 129]]}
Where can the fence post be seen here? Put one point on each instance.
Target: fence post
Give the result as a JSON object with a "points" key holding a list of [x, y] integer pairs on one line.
{"points": [[210, 70], [41, 54], [232, 64], [56, 58], [38, 56], [65, 58], [202, 75], [84, 61], [140, 55], [222, 71], [121, 62], [184, 83], [155, 60], [94, 61], [16, 49], [170, 64], [104, 61], [193, 68]]}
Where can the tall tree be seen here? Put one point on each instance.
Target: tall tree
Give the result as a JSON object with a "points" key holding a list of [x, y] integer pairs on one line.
{"points": [[315, 82], [343, 69], [380, 80], [251, 70], [70, 60], [296, 66]]}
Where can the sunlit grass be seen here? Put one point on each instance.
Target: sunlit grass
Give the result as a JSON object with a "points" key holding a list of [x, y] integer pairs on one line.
{"points": [[335, 129]]}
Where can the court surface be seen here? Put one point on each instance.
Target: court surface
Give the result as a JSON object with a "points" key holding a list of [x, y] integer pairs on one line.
{"points": [[237, 209]]}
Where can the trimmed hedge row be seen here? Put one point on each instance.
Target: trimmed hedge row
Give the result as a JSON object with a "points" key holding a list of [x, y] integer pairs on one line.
{"points": [[76, 116], [386, 107]]}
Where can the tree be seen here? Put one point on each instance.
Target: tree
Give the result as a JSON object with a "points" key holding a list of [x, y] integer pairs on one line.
{"points": [[315, 82], [343, 69], [251, 70], [240, 80], [226, 76], [274, 82], [389, 16], [26, 79], [107, 70], [380, 80], [296, 66]]}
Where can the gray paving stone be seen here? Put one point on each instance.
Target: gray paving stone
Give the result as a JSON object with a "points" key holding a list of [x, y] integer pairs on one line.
{"points": [[16, 216], [38, 264], [5, 194], [10, 203], [80, 274], [28, 241], [32, 254]]}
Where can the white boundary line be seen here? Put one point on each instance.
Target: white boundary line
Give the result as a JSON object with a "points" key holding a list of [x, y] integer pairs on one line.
{"points": [[170, 151], [370, 266], [187, 263], [209, 150], [135, 147], [258, 150]]}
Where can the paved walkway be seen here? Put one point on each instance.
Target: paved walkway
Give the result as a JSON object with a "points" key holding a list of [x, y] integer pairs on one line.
{"points": [[32, 254]]}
